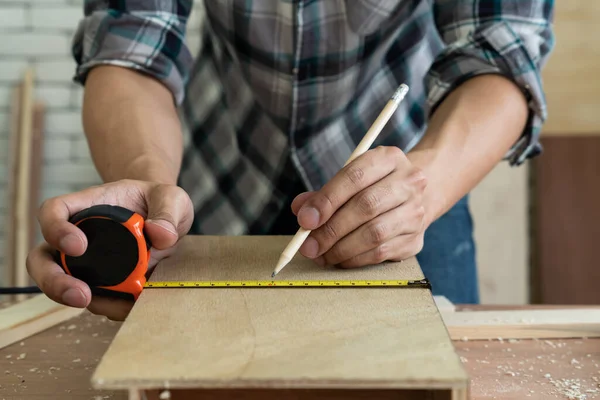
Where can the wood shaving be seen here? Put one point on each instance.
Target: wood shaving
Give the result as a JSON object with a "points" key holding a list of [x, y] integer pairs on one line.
{"points": [[71, 327], [22, 356], [165, 395], [77, 360]]}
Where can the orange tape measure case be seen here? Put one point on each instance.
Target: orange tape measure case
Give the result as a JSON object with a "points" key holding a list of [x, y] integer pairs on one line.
{"points": [[117, 255]]}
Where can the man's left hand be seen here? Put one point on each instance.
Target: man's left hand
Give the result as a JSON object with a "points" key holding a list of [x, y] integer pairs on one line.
{"points": [[369, 212]]}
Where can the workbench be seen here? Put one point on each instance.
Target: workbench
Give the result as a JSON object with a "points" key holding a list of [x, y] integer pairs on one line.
{"points": [[58, 364]]}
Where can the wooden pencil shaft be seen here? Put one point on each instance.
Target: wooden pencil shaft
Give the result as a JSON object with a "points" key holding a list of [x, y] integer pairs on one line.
{"points": [[364, 145]]}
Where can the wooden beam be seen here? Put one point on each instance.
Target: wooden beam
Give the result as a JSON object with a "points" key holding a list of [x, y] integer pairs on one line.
{"points": [[523, 324], [32, 316], [22, 217], [11, 193]]}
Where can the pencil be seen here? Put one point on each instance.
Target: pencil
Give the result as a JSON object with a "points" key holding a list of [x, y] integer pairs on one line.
{"points": [[294, 245]]}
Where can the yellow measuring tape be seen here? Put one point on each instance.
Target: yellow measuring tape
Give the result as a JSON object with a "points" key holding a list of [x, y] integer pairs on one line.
{"points": [[423, 283]]}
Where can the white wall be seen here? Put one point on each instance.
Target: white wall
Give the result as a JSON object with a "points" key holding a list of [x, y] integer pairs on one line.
{"points": [[38, 33]]}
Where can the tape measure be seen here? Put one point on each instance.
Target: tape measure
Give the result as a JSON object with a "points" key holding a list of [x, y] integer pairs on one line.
{"points": [[423, 283], [115, 262]]}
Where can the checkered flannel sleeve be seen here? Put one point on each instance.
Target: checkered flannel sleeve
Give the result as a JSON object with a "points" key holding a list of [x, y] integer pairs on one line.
{"points": [[144, 35], [511, 38]]}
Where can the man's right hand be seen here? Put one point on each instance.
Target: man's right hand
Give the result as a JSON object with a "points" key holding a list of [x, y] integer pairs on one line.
{"points": [[168, 212]]}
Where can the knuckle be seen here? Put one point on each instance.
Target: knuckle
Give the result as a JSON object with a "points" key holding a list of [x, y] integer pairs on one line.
{"points": [[330, 232], [354, 174], [324, 202], [393, 151], [418, 179], [420, 212], [368, 203], [382, 252], [377, 232], [48, 205]]}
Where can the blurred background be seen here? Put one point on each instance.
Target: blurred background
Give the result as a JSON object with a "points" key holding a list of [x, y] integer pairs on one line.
{"points": [[536, 226]]}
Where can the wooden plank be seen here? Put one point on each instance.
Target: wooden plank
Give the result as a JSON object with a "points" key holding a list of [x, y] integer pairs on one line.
{"points": [[279, 338], [570, 77], [21, 216], [299, 394], [523, 324], [30, 317], [11, 193], [566, 214], [35, 176]]}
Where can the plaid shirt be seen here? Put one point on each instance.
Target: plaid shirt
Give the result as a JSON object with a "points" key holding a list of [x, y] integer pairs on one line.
{"points": [[281, 92]]}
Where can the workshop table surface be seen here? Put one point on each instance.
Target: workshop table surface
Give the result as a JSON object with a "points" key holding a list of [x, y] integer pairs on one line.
{"points": [[59, 362]]}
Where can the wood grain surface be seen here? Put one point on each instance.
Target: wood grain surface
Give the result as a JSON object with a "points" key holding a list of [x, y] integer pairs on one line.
{"points": [[31, 316], [566, 221], [306, 338], [59, 362], [523, 324]]}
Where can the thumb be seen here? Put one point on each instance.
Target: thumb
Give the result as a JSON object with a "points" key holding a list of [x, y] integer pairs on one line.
{"points": [[170, 215], [299, 201]]}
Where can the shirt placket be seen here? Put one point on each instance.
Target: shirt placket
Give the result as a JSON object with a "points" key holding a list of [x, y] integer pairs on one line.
{"points": [[296, 118]]}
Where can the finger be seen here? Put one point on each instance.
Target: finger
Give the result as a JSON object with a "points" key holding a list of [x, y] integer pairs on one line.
{"points": [[397, 249], [375, 200], [300, 200], [406, 219], [113, 309], [170, 215], [53, 281], [54, 223], [54, 213], [361, 173]]}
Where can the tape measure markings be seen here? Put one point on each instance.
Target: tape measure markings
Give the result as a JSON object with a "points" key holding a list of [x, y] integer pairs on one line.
{"points": [[268, 283]]}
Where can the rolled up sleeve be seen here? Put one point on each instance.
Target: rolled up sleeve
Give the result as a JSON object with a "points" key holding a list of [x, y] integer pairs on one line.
{"points": [[147, 36], [511, 38]]}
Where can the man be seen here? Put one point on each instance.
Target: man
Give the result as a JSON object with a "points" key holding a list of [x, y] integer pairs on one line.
{"points": [[277, 98]]}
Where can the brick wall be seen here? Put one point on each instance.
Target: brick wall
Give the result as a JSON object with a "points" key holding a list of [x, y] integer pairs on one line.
{"points": [[38, 33]]}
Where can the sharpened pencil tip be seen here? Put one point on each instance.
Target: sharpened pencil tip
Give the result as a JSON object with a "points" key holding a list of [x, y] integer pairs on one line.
{"points": [[273, 275]]}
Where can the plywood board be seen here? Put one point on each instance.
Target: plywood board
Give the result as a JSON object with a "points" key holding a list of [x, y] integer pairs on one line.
{"points": [[279, 338]]}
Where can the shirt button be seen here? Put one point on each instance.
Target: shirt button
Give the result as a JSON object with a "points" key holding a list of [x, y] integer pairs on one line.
{"points": [[295, 71]]}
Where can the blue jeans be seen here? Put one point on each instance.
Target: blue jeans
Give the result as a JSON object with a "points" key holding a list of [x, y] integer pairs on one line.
{"points": [[448, 255]]}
